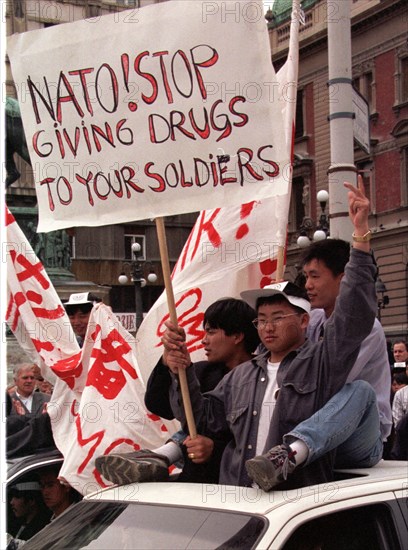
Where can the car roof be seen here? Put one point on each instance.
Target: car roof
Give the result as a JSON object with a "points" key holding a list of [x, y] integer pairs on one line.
{"points": [[19, 466], [386, 476]]}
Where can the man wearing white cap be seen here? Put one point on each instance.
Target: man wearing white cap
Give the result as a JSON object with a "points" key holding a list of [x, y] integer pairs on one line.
{"points": [[78, 308], [272, 405]]}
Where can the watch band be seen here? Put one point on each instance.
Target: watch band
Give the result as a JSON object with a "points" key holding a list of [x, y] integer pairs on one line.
{"points": [[362, 238]]}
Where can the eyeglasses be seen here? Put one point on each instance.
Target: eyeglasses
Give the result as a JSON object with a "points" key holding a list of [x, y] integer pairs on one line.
{"points": [[275, 322]]}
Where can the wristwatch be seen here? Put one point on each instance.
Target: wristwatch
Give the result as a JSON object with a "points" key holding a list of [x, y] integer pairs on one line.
{"points": [[362, 238]]}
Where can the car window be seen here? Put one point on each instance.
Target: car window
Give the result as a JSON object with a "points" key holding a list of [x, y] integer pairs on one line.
{"points": [[403, 503], [136, 526], [362, 528]]}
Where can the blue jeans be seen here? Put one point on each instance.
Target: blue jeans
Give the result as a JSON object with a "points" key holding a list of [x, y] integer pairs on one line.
{"points": [[349, 422], [178, 437]]}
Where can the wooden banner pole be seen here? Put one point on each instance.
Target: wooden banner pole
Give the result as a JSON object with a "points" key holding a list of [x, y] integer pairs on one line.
{"points": [[164, 256], [280, 265]]}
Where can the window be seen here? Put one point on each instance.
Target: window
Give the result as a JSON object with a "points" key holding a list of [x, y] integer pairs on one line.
{"points": [[400, 133], [299, 123], [363, 528], [365, 169], [72, 250], [93, 10], [298, 199], [401, 76], [365, 85], [126, 524], [299, 204], [404, 178], [129, 240], [404, 79]]}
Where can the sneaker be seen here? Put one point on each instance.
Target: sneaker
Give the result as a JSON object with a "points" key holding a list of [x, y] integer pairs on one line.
{"points": [[271, 468], [134, 467]]}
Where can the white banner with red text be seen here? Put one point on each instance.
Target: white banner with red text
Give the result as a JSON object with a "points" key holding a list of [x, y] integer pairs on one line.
{"points": [[157, 111]]}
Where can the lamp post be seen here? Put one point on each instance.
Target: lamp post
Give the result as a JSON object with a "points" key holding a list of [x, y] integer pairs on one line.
{"points": [[322, 229], [136, 267], [384, 300]]}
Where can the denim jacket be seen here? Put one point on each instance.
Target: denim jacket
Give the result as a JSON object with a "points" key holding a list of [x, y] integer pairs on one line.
{"points": [[307, 377]]}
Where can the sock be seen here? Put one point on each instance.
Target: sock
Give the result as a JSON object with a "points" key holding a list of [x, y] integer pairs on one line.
{"points": [[171, 451], [300, 449]]}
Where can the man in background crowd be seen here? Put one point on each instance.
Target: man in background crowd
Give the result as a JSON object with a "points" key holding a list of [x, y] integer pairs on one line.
{"points": [[25, 400], [42, 384], [78, 308], [400, 351]]}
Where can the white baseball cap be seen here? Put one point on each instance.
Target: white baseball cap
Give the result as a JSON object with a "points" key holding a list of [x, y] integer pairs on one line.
{"points": [[26, 486], [293, 294], [81, 298]]}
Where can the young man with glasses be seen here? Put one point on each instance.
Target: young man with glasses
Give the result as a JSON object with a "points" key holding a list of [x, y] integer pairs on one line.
{"points": [[272, 406]]}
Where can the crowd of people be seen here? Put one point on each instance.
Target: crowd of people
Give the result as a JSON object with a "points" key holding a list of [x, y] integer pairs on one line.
{"points": [[297, 382]]}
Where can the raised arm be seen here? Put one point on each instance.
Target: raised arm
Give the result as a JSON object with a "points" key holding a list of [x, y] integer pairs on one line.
{"points": [[356, 305], [359, 209]]}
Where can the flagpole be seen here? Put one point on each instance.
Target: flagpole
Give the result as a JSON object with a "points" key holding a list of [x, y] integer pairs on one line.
{"points": [[171, 304], [292, 64], [280, 264]]}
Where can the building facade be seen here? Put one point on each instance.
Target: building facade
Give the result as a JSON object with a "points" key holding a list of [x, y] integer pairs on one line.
{"points": [[379, 39]]}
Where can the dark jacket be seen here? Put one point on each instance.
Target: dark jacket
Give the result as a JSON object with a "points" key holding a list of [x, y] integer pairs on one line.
{"points": [[400, 447], [157, 401], [27, 433], [39, 521], [307, 378], [39, 399]]}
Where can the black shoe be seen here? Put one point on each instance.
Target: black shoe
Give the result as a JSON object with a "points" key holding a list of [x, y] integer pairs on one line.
{"points": [[133, 467], [271, 468]]}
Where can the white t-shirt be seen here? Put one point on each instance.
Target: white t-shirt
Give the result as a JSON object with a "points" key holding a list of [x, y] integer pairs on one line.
{"points": [[267, 408], [400, 404]]}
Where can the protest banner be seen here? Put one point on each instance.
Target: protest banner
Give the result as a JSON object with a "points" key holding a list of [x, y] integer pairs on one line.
{"points": [[97, 404], [108, 412], [230, 249], [168, 109]]}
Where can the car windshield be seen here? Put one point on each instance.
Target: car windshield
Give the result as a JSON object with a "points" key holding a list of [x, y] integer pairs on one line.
{"points": [[113, 525]]}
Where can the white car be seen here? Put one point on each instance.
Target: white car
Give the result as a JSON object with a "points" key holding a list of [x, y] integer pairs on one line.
{"points": [[361, 510]]}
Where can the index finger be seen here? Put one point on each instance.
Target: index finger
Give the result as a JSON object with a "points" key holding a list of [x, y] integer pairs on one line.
{"points": [[360, 186]]}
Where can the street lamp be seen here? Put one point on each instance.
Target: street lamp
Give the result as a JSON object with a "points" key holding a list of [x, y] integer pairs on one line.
{"points": [[380, 288], [136, 267], [322, 229]]}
